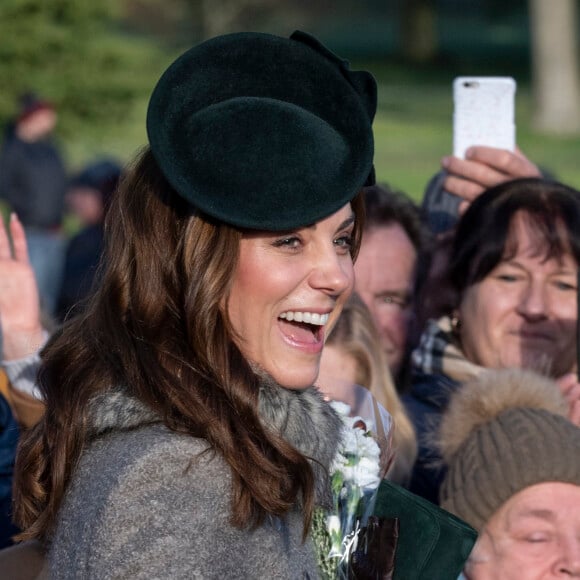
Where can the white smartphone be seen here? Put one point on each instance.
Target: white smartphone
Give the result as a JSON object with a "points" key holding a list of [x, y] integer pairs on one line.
{"points": [[484, 113]]}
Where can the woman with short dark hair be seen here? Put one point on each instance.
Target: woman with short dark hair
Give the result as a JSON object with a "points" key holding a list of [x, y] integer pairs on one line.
{"points": [[513, 269]]}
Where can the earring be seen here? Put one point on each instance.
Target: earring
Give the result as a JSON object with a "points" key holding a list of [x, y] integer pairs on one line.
{"points": [[455, 324]]}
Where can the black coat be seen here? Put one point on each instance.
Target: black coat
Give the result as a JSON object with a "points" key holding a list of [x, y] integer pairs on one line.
{"points": [[80, 267], [9, 433], [425, 404], [33, 181]]}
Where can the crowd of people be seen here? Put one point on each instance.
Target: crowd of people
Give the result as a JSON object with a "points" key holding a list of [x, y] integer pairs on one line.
{"points": [[35, 186], [165, 413]]}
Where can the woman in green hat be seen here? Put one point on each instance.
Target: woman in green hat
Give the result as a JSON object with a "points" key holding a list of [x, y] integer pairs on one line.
{"points": [[182, 436]]}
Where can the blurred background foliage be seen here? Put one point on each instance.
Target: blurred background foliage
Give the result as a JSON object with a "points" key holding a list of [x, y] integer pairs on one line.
{"points": [[97, 61]]}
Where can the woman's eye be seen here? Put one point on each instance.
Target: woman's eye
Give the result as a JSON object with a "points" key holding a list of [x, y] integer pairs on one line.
{"points": [[344, 241], [565, 286], [288, 242], [507, 277]]}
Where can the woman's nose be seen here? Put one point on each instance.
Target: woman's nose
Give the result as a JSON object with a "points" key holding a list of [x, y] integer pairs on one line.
{"points": [[533, 302], [332, 272]]}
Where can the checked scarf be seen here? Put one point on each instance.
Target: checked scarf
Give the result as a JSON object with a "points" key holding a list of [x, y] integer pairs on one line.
{"points": [[439, 353]]}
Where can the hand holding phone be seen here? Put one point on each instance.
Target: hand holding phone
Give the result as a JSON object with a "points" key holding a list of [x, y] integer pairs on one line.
{"points": [[484, 113]]}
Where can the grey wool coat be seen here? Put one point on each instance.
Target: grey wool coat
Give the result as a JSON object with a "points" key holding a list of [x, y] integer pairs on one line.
{"points": [[134, 510]]}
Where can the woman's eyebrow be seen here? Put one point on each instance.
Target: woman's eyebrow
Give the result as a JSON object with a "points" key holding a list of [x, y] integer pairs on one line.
{"points": [[347, 222], [513, 262], [562, 270]]}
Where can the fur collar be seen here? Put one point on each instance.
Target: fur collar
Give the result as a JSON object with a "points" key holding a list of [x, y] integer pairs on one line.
{"points": [[493, 393], [308, 422], [301, 417]]}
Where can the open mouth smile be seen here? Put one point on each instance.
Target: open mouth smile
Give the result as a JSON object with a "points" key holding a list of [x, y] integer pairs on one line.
{"points": [[308, 317], [304, 329]]}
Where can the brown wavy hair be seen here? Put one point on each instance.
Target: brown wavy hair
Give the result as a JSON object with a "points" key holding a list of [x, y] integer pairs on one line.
{"points": [[158, 325]]}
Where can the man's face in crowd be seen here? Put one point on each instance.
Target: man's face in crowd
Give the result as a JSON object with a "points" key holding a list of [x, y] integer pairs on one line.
{"points": [[535, 535], [385, 272]]}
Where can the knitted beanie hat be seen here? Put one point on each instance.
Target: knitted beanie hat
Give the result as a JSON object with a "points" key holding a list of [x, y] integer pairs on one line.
{"points": [[503, 432]]}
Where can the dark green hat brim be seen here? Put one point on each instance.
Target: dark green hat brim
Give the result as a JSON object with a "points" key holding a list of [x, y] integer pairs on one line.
{"points": [[263, 132]]}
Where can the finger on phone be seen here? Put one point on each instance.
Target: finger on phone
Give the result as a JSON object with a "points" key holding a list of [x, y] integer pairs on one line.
{"points": [[510, 164], [480, 174], [463, 188]]}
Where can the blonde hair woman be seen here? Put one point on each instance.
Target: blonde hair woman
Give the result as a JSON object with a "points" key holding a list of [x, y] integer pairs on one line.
{"points": [[353, 353]]}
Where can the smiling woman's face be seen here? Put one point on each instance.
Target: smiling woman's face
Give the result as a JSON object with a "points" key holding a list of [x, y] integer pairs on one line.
{"points": [[523, 313], [287, 291]]}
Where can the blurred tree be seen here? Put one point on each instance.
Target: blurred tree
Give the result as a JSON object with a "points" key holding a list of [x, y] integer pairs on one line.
{"points": [[499, 10], [185, 22], [556, 82], [419, 40], [222, 16], [73, 53], [172, 21]]}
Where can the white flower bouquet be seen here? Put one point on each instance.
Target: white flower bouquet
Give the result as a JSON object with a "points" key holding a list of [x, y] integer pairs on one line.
{"points": [[343, 534]]}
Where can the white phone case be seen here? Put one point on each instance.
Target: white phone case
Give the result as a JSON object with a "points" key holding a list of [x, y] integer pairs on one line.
{"points": [[483, 113]]}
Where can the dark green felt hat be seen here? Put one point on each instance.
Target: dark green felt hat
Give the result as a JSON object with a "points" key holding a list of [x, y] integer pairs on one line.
{"points": [[263, 132]]}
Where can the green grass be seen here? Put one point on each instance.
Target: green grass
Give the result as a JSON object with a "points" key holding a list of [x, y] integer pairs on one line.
{"points": [[413, 130]]}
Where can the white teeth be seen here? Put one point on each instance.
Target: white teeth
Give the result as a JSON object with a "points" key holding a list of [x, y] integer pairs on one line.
{"points": [[308, 317]]}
